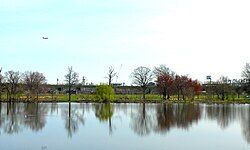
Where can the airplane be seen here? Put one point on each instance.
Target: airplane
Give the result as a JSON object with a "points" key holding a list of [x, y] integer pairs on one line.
{"points": [[45, 38]]}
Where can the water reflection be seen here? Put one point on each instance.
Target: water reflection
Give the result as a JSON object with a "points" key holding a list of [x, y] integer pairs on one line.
{"points": [[223, 114], [178, 115], [73, 117], [14, 117], [142, 119], [245, 122], [103, 113], [34, 116]]}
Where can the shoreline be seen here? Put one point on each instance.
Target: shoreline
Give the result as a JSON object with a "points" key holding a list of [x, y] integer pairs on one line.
{"points": [[134, 101]]}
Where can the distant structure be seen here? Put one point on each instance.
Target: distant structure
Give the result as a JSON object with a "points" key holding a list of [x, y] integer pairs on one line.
{"points": [[83, 80], [45, 38], [209, 78]]}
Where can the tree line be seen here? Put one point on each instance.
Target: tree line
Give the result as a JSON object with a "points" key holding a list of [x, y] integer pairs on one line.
{"points": [[169, 83], [30, 83]]}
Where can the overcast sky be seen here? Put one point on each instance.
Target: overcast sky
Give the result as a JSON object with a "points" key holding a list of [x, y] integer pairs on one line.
{"points": [[192, 37]]}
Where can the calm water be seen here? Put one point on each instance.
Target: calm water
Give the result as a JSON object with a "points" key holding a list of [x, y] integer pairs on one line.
{"points": [[31, 126]]}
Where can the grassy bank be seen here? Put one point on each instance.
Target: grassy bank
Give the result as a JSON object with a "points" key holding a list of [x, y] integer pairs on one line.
{"points": [[133, 98]]}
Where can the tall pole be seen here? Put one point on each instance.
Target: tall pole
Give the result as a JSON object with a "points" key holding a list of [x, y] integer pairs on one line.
{"points": [[209, 87]]}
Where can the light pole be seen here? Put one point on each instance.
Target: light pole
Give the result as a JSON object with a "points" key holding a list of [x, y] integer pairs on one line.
{"points": [[210, 86]]}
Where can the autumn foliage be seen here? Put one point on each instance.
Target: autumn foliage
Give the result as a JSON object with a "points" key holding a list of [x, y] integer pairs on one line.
{"points": [[179, 85], [165, 84]]}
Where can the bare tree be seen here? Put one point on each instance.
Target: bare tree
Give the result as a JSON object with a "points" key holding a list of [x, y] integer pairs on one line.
{"points": [[141, 76], [111, 74], [223, 88], [34, 83], [40, 82], [162, 70], [246, 71], [28, 80], [71, 79], [246, 76], [13, 80]]}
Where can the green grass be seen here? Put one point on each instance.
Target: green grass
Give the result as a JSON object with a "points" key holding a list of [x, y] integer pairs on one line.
{"points": [[128, 98]]}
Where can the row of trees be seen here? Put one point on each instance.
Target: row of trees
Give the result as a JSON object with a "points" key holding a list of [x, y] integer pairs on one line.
{"points": [[225, 87], [13, 83], [167, 81]]}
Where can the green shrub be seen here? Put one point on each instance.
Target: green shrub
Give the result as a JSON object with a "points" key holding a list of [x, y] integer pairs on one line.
{"points": [[105, 92]]}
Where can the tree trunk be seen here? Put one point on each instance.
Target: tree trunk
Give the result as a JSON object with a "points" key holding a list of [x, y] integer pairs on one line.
{"points": [[178, 94], [183, 96], [223, 96], [143, 93], [143, 96], [110, 80], [69, 96], [168, 96], [164, 94], [69, 93]]}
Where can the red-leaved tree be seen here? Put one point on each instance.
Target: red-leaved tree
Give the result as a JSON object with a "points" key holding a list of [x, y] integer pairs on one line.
{"points": [[165, 84], [164, 80]]}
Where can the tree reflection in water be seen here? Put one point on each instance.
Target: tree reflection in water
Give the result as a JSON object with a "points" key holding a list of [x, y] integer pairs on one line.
{"points": [[224, 114], [54, 108], [141, 121], [186, 115], [13, 120], [2, 117], [165, 117], [35, 115], [103, 113], [15, 116], [144, 118], [73, 117], [245, 123]]}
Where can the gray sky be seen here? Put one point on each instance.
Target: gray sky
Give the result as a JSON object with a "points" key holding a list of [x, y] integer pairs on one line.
{"points": [[194, 37]]}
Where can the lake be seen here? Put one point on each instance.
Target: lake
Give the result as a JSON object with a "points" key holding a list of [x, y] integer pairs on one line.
{"points": [[78, 126]]}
